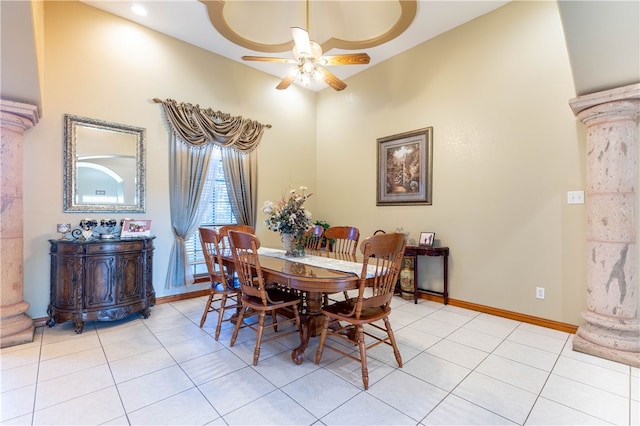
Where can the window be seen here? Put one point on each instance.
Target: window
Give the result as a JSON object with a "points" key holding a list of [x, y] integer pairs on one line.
{"points": [[217, 213]]}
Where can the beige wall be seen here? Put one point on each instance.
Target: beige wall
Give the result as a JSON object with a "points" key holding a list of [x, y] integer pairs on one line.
{"points": [[506, 151], [506, 146]]}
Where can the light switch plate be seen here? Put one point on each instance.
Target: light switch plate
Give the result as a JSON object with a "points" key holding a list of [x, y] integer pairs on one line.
{"points": [[575, 197]]}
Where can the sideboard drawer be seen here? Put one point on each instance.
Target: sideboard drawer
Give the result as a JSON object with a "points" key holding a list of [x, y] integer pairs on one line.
{"points": [[114, 247]]}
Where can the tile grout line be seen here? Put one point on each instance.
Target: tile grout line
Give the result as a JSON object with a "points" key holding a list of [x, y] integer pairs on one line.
{"points": [[539, 395], [115, 384], [35, 391]]}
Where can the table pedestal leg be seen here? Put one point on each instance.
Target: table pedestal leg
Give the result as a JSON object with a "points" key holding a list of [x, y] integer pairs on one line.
{"points": [[311, 324]]}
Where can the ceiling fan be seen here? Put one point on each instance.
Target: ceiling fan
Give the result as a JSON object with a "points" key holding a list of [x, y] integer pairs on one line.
{"points": [[309, 62]]}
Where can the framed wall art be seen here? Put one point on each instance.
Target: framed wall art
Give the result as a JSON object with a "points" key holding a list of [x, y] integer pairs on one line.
{"points": [[405, 163]]}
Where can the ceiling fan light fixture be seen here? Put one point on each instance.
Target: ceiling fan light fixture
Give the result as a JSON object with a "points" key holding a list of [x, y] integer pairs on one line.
{"points": [[307, 66]]}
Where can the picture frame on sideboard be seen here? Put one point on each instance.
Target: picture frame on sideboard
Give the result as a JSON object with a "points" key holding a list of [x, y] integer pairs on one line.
{"points": [[427, 239], [135, 228]]}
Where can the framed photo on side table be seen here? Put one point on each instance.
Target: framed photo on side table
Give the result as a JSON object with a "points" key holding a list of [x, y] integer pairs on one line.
{"points": [[427, 239], [135, 228], [405, 163]]}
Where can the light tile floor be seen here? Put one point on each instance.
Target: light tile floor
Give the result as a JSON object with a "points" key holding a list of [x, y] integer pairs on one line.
{"points": [[461, 367]]}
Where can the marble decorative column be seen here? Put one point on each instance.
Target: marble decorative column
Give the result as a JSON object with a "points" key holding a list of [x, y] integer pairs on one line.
{"points": [[612, 328], [15, 326]]}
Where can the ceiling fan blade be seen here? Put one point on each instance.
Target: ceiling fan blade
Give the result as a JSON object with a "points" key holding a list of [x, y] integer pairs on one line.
{"points": [[268, 59], [332, 80], [286, 82], [347, 59], [301, 40]]}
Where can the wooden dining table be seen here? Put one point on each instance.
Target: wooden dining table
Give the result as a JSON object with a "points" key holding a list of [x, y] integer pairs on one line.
{"points": [[312, 279]]}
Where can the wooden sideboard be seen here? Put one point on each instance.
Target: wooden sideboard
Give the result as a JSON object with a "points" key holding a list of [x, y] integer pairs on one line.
{"points": [[103, 280]]}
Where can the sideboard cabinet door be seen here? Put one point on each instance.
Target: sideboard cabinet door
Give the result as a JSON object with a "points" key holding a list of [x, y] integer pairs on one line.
{"points": [[130, 281], [65, 269], [100, 280]]}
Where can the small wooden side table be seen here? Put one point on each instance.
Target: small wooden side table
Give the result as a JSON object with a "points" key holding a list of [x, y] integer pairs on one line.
{"points": [[414, 252]]}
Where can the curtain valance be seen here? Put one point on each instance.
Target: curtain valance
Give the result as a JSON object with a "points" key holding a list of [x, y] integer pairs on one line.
{"points": [[198, 126]]}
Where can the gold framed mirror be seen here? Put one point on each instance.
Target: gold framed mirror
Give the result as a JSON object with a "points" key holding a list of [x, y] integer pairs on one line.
{"points": [[104, 166]]}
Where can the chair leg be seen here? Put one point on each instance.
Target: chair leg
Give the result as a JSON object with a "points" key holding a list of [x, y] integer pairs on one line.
{"points": [[206, 310], [392, 339], [238, 325], [256, 351], [274, 320], [363, 355], [223, 301], [323, 337]]}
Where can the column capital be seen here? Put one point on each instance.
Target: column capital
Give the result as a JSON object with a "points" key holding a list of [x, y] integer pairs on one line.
{"points": [[625, 93], [18, 116], [628, 109]]}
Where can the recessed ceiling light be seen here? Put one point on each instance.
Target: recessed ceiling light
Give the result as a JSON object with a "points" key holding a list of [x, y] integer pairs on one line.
{"points": [[139, 10]]}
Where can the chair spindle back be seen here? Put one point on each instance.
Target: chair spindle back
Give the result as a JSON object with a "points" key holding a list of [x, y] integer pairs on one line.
{"points": [[342, 239], [383, 255]]}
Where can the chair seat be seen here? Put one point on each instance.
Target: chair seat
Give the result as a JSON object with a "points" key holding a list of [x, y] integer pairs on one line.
{"points": [[279, 297], [343, 311], [220, 288]]}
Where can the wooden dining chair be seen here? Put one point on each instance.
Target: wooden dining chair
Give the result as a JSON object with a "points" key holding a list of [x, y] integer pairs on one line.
{"points": [[346, 320], [257, 297], [224, 230], [342, 239], [313, 238], [223, 285]]}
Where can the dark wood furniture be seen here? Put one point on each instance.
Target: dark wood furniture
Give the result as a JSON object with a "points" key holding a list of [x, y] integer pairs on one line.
{"points": [[415, 251], [101, 280]]}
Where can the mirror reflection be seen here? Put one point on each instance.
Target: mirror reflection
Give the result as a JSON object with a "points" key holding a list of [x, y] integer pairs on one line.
{"points": [[104, 166]]}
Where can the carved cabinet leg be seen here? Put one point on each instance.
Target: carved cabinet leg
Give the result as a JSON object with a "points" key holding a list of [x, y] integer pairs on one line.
{"points": [[79, 325], [50, 322]]}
